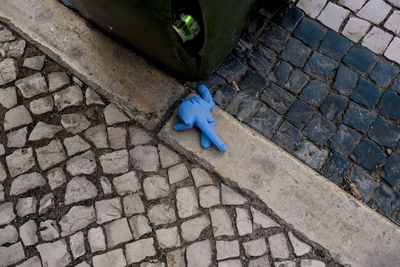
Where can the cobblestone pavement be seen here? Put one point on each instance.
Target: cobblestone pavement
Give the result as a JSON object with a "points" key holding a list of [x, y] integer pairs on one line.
{"points": [[328, 100], [82, 185]]}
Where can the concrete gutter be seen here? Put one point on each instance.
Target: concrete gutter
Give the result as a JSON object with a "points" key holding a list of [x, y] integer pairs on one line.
{"points": [[143, 91], [350, 230]]}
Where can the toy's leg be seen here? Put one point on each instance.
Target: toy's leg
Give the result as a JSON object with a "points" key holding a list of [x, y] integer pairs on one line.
{"points": [[181, 126], [206, 95], [205, 142], [209, 132]]}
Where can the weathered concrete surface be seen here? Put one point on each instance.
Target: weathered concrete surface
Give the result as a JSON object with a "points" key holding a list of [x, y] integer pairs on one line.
{"points": [[144, 92], [350, 230]]}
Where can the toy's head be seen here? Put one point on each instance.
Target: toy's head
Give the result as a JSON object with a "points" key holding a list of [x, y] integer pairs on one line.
{"points": [[185, 112]]}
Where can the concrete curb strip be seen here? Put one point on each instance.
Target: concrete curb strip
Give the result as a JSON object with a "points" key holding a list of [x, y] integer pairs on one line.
{"points": [[144, 92], [351, 231]]}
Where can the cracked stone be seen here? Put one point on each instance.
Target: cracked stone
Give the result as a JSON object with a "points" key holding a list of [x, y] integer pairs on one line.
{"points": [[192, 229], [138, 136], [262, 220], [133, 204], [126, 183], [97, 240], [56, 177], [97, 135], [186, 202], [201, 177], [106, 185], [139, 250], [41, 105], [17, 138], [155, 187], [69, 97], [113, 258], [6, 35], [168, 157], [8, 71], [20, 161], [209, 196], [115, 162], [145, 158], [177, 173], [57, 80], [82, 164], [299, 247], [176, 258], [8, 97], [168, 237], [108, 210], [75, 145], [77, 218], [77, 244], [54, 254], [230, 197], [255, 247], [50, 155], [113, 115], [26, 206], [12, 254], [278, 246], [15, 49], [46, 203], [243, 222], [34, 63], [79, 189], [49, 230], [32, 262], [161, 214], [92, 98], [74, 122], [117, 137], [16, 117], [139, 225], [43, 130], [221, 223], [8, 235], [227, 249], [28, 234], [26, 182], [32, 85], [117, 232], [199, 254]]}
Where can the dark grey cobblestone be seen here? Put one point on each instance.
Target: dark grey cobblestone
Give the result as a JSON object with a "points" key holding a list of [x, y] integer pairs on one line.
{"points": [[277, 98], [335, 168]]}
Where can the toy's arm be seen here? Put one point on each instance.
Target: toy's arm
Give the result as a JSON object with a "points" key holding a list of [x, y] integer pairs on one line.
{"points": [[206, 95], [181, 126], [209, 132]]}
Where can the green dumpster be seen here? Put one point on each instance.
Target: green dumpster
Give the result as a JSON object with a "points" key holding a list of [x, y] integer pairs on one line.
{"points": [[148, 25]]}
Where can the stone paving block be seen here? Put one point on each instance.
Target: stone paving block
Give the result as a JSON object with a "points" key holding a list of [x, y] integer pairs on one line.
{"points": [[82, 164], [117, 137], [115, 162], [300, 248], [74, 122], [26, 206], [97, 135], [287, 136], [186, 202], [344, 140], [230, 68], [265, 121], [77, 245], [117, 232], [132, 204], [209, 196], [96, 239], [192, 229], [385, 199], [265, 53], [353, 5], [258, 61], [108, 210], [310, 32], [201, 177], [43, 130], [255, 247], [77, 218], [221, 222], [391, 172], [16, 117], [155, 187], [311, 263], [389, 106], [230, 263], [358, 117], [139, 225], [374, 11], [20, 161], [3, 174], [46, 203], [319, 129], [311, 154], [139, 250], [335, 168], [393, 22], [345, 81], [333, 16], [27, 233], [320, 66], [113, 258], [334, 45], [278, 246], [8, 71], [396, 3], [296, 81], [126, 183], [364, 183], [277, 98], [168, 157], [145, 158], [26, 182], [274, 37], [54, 254], [41, 105], [33, 262], [230, 197], [113, 115], [6, 35], [384, 132], [377, 40], [92, 98], [227, 249], [8, 235], [224, 94], [32, 85], [333, 106], [356, 29], [360, 59], [368, 154], [106, 185], [168, 237], [366, 93], [280, 73], [12, 254], [34, 63], [314, 93], [243, 222], [295, 52], [252, 83], [311, 7], [199, 254], [8, 97], [14, 49], [49, 230], [242, 106], [69, 97], [75, 144], [241, 49], [299, 113], [384, 73], [264, 261], [289, 17], [177, 173], [57, 80]]}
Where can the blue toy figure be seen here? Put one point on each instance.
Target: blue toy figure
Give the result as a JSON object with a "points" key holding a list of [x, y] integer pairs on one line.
{"points": [[197, 111]]}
